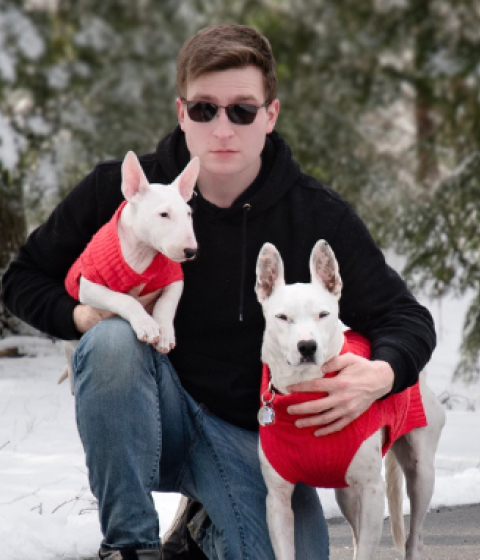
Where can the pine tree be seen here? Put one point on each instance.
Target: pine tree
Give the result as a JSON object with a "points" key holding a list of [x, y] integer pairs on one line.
{"points": [[441, 240], [79, 82], [379, 101], [354, 73]]}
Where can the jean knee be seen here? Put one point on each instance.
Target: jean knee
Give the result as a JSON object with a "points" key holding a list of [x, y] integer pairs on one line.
{"points": [[110, 350]]}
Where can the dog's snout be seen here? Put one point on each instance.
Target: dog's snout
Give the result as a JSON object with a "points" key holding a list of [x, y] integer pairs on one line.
{"points": [[307, 348], [190, 253]]}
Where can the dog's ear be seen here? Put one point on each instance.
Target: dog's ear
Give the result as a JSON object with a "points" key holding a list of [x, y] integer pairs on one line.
{"points": [[324, 268], [186, 181], [269, 272], [133, 178]]}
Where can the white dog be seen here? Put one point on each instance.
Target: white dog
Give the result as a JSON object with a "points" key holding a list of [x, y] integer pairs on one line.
{"points": [[303, 331], [140, 247]]}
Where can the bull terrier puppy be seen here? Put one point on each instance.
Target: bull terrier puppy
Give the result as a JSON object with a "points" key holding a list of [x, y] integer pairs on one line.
{"points": [[139, 249]]}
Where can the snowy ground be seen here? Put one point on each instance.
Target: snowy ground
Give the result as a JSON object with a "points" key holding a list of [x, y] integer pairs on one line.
{"points": [[46, 508]]}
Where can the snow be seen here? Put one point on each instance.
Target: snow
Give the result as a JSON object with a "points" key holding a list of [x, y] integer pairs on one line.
{"points": [[18, 39], [18, 28], [46, 508]]}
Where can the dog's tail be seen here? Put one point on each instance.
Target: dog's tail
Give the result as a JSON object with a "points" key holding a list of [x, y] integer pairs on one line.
{"points": [[394, 484]]}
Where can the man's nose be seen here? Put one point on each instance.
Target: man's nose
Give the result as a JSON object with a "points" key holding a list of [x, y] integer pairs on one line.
{"points": [[223, 126]]}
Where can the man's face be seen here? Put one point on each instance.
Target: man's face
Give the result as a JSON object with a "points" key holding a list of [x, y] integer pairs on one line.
{"points": [[225, 148]]}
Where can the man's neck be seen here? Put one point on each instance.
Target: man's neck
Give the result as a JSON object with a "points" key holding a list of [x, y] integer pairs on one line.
{"points": [[223, 190]]}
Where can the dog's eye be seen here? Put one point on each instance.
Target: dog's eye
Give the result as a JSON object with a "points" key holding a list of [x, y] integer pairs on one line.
{"points": [[323, 314], [282, 317], [164, 215]]}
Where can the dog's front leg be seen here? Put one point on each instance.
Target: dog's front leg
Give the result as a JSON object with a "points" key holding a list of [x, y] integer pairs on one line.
{"points": [[362, 502], [279, 511], [145, 326], [164, 313]]}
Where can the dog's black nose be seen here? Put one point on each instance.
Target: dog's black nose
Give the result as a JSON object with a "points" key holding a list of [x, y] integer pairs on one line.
{"points": [[307, 348], [190, 253]]}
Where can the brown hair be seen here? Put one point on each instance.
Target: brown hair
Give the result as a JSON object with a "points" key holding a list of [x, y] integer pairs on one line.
{"points": [[223, 47]]}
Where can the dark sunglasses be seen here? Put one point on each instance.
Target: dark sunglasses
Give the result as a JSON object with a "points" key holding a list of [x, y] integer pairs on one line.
{"points": [[237, 113]]}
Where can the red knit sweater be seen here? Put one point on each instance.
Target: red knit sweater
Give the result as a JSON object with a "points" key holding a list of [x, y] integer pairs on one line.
{"points": [[102, 262], [298, 456]]}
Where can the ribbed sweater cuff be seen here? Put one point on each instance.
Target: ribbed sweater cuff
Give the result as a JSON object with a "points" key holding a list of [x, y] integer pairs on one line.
{"points": [[399, 365]]}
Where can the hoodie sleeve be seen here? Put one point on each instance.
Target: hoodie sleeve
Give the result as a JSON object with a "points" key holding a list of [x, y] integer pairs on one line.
{"points": [[33, 285], [377, 303]]}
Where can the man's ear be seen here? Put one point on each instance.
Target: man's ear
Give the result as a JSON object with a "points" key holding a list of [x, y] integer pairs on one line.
{"points": [[272, 111], [324, 268], [269, 272], [180, 112], [134, 180]]}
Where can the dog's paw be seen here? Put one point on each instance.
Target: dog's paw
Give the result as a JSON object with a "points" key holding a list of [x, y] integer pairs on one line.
{"points": [[167, 339], [146, 329]]}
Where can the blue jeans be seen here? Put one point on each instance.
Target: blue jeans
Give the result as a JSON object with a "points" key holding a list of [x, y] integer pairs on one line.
{"points": [[142, 432]]}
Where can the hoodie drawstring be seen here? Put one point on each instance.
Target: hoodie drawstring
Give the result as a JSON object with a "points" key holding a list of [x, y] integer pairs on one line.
{"points": [[246, 209]]}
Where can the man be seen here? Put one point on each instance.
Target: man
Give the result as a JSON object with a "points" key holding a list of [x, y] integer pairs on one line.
{"points": [[187, 422]]}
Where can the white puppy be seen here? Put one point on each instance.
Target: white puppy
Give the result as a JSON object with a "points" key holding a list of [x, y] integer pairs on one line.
{"points": [[303, 331], [140, 247]]}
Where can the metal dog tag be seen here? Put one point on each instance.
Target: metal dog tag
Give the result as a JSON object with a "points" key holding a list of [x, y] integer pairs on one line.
{"points": [[266, 415]]}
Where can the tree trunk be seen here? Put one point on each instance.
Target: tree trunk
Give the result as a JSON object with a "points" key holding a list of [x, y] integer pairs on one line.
{"points": [[12, 236], [427, 163]]}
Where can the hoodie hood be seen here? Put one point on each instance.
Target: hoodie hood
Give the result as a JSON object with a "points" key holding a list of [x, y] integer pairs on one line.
{"points": [[278, 174]]}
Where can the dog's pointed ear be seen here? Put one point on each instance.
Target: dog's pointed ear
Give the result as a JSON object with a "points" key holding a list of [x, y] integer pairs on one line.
{"points": [[269, 272], [324, 268], [187, 180], [134, 180]]}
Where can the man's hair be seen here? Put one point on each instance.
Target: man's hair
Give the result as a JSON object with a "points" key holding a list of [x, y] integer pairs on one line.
{"points": [[225, 47]]}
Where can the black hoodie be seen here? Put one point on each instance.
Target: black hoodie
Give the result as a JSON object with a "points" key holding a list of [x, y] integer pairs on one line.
{"points": [[219, 323]]}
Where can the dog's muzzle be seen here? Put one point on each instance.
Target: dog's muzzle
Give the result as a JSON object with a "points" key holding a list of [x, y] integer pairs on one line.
{"points": [[190, 253], [307, 349]]}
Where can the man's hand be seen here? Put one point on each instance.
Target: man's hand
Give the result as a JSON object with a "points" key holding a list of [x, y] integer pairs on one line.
{"points": [[358, 384], [148, 300], [85, 316]]}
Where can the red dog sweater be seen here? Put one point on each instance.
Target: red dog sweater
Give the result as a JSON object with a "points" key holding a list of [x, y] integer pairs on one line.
{"points": [[299, 456], [102, 262]]}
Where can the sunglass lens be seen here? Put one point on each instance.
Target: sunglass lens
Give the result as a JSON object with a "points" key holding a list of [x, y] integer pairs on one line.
{"points": [[241, 113], [202, 112]]}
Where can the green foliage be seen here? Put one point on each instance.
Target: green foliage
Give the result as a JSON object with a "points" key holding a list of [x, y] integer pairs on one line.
{"points": [[379, 101], [468, 369], [102, 84], [441, 239]]}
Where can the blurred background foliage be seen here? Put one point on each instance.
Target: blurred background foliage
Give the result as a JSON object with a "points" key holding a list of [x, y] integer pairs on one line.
{"points": [[380, 101]]}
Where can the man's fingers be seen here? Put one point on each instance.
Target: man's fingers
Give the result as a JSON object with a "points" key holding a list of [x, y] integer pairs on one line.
{"points": [[147, 300], [328, 422], [340, 362], [86, 316], [103, 313], [325, 385], [136, 291], [317, 406], [333, 427]]}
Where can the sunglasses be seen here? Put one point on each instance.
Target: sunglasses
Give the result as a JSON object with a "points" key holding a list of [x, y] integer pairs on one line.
{"points": [[237, 113]]}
